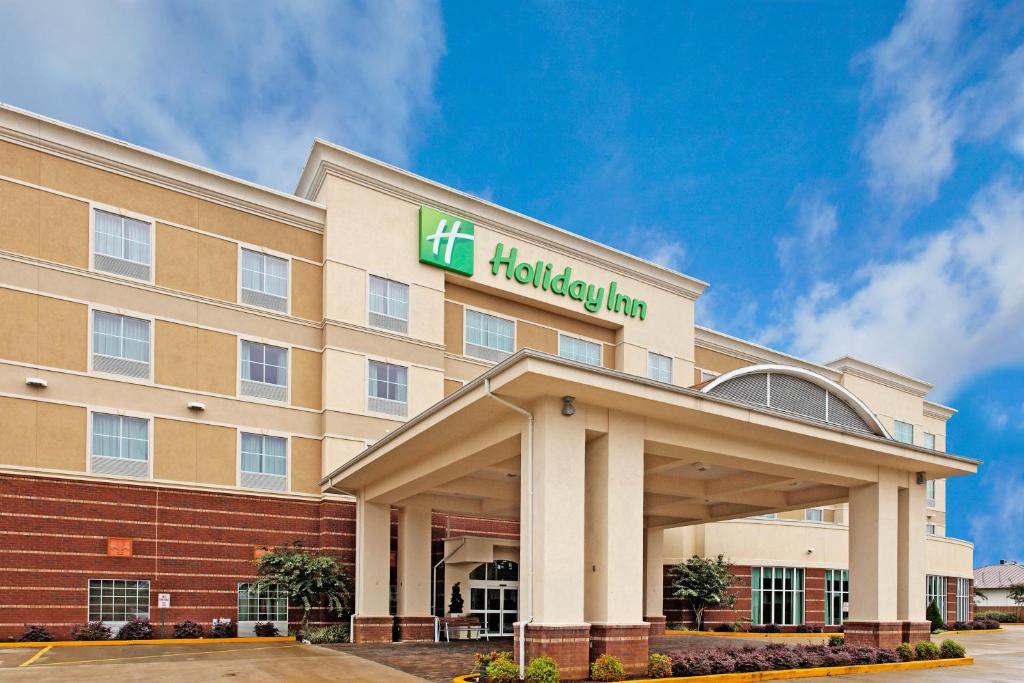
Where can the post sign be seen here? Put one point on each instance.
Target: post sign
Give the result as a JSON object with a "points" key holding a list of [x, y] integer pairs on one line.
{"points": [[163, 600]]}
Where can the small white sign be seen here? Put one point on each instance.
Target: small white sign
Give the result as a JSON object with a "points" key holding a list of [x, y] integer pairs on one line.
{"points": [[846, 607], [163, 599]]}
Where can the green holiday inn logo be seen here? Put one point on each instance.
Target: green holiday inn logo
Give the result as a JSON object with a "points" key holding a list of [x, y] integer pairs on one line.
{"points": [[446, 241]]}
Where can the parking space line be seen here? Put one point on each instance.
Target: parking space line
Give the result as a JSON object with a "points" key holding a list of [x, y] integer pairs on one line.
{"points": [[36, 656], [167, 654]]}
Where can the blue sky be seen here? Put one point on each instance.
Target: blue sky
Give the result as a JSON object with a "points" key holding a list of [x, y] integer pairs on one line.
{"points": [[848, 176]]}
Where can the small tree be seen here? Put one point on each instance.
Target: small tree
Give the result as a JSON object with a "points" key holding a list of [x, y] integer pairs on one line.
{"points": [[935, 616], [704, 583], [1016, 594], [307, 578]]}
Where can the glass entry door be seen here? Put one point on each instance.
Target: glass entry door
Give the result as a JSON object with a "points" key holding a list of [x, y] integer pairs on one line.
{"points": [[494, 596]]}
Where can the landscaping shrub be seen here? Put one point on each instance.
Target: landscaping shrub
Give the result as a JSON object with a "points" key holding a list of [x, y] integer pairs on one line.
{"points": [[772, 628], [34, 633], [963, 625], [484, 660], [950, 649], [986, 624], [782, 656], [266, 629], [676, 626], [726, 628], [775, 657], [1001, 617], [544, 670], [503, 671], [94, 630], [810, 628], [905, 652], [926, 650], [658, 666], [224, 629], [703, 663], [335, 633], [136, 629], [188, 629], [750, 659], [607, 668], [836, 641], [935, 616]]}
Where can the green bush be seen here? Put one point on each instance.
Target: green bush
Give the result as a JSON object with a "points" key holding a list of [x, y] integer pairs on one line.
{"points": [[1001, 617], [905, 652], [836, 641], [926, 649], [188, 629], [34, 633], [542, 670], [484, 660], [224, 629], [335, 633], [659, 666], [503, 670], [935, 616], [94, 630], [950, 649], [607, 668]]}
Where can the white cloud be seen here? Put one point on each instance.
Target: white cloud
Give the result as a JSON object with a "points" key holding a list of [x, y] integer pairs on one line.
{"points": [[950, 308], [816, 222], [241, 86], [997, 524]]}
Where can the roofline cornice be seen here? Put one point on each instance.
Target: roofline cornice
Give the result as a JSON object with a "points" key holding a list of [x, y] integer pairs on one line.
{"points": [[875, 373], [713, 340]]}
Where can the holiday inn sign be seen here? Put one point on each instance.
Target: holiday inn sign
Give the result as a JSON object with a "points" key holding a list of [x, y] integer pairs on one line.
{"points": [[447, 242]]}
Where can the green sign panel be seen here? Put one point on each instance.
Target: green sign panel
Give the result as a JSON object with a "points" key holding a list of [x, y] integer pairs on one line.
{"points": [[446, 241]]}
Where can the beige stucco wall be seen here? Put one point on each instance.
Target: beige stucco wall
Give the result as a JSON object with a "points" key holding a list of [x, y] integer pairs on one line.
{"points": [[42, 330], [42, 224], [41, 434]]}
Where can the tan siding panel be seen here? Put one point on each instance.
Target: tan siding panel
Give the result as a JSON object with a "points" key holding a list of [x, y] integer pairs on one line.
{"points": [[245, 227], [307, 291], [530, 336], [62, 435], [306, 467], [20, 162], [63, 334], [177, 258], [64, 230], [609, 356], [717, 362], [217, 451], [306, 383], [18, 326], [218, 268], [19, 219], [451, 386], [174, 450], [17, 432], [175, 348], [453, 329], [217, 362]]}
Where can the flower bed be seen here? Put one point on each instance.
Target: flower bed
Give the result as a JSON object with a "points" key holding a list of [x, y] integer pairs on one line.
{"points": [[976, 625]]}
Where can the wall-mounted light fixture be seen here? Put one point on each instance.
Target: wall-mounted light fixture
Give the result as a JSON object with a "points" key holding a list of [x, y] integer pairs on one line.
{"points": [[921, 478], [568, 409], [197, 406], [36, 382]]}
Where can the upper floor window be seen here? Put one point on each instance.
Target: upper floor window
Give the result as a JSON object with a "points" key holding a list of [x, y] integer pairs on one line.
{"points": [[813, 515], [388, 389], [122, 245], [929, 440], [904, 431], [488, 336], [929, 529], [264, 280], [120, 344], [707, 376], [389, 304], [579, 350], [929, 492], [120, 445], [264, 462], [768, 515], [659, 367], [118, 600], [264, 371]]}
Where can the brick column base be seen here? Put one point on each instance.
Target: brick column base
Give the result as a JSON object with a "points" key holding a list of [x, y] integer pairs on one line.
{"points": [[371, 629], [916, 631], [415, 628], [569, 646], [888, 634], [628, 642], [657, 625]]}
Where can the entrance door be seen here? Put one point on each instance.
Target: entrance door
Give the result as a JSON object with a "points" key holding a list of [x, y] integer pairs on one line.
{"points": [[494, 596]]}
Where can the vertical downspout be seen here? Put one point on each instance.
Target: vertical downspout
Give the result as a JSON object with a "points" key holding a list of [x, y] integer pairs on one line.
{"points": [[525, 525]]}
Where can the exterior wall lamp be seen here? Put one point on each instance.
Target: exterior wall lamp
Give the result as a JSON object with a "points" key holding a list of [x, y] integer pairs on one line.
{"points": [[568, 409]]}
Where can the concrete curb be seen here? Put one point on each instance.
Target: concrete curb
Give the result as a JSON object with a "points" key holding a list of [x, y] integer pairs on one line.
{"points": [[973, 630], [155, 641], [784, 674]]}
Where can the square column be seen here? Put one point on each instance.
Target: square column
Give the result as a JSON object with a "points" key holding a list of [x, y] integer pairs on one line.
{"points": [[372, 621], [614, 596], [558, 629], [873, 564], [414, 590], [654, 580], [910, 576]]}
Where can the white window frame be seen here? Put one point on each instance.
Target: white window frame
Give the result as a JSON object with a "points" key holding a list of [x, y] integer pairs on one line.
{"points": [[930, 492], [814, 515], [287, 459], [247, 626], [926, 437], [963, 599], [465, 337], [406, 321], [366, 389], [120, 413], [789, 619], [708, 375], [97, 206], [896, 430], [150, 377], [834, 579], [929, 529], [600, 349], [288, 372], [651, 355], [115, 625], [936, 588], [263, 251]]}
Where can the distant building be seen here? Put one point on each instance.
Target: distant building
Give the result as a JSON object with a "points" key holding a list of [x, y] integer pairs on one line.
{"points": [[994, 582]]}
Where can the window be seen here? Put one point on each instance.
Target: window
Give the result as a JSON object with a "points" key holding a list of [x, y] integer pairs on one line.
{"points": [[579, 350], [963, 599], [120, 445], [929, 440], [768, 515], [389, 305], [929, 493], [837, 596], [777, 595], [120, 345], [121, 245], [488, 336], [264, 371], [388, 388], [707, 376], [264, 280], [813, 515], [118, 600], [929, 529], [266, 603], [935, 591], [264, 462], [659, 367], [904, 432]]}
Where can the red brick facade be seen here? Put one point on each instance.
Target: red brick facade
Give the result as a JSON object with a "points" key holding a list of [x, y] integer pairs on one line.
{"points": [[569, 646], [627, 642]]}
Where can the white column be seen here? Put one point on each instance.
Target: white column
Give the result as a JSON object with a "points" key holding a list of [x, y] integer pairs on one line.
{"points": [[414, 561], [872, 539], [373, 558], [910, 585], [614, 572], [654, 586]]}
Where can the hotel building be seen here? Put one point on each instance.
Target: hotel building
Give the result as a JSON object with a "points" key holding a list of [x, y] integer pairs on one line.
{"points": [[435, 390]]}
